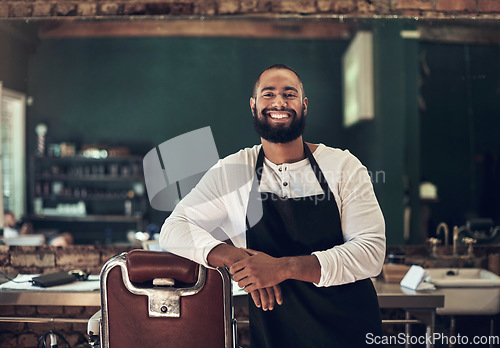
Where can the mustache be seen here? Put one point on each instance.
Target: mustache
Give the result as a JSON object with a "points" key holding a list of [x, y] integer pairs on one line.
{"points": [[269, 109]]}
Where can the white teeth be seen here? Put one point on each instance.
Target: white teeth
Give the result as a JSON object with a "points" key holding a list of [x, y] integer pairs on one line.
{"points": [[278, 116]]}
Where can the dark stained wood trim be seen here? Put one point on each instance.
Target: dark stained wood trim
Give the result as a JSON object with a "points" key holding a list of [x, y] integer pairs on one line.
{"points": [[317, 29]]}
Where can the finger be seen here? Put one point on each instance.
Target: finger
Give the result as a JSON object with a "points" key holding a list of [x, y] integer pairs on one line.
{"points": [[277, 294], [251, 286], [270, 294], [245, 284], [240, 275], [237, 266], [251, 251], [264, 299], [256, 298]]}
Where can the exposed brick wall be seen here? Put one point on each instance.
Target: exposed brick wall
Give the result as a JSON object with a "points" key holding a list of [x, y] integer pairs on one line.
{"points": [[92, 8], [456, 6], [46, 259]]}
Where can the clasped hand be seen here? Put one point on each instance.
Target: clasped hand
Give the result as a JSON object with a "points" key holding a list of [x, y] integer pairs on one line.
{"points": [[259, 274]]}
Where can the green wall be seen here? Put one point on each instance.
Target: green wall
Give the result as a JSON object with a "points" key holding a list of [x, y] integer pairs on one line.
{"points": [[141, 92]]}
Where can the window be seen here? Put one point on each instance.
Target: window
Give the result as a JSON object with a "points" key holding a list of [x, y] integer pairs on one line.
{"points": [[12, 152]]}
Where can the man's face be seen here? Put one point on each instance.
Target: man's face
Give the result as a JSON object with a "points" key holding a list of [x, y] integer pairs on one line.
{"points": [[279, 107]]}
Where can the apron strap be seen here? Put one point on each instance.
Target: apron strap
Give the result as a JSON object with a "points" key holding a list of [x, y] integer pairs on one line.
{"points": [[317, 171], [259, 165]]}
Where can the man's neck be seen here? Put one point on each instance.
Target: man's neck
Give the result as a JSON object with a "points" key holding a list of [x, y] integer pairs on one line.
{"points": [[279, 153]]}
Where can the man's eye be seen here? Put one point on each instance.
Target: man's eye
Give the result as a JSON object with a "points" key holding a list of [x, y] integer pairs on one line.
{"points": [[290, 95], [268, 95]]}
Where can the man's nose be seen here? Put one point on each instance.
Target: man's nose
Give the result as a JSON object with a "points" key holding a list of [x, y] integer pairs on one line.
{"points": [[279, 101]]}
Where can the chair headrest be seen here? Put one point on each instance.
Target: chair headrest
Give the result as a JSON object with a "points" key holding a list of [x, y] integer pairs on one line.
{"points": [[144, 266]]}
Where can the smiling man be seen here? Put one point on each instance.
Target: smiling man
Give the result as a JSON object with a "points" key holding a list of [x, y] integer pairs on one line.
{"points": [[282, 116], [321, 235]]}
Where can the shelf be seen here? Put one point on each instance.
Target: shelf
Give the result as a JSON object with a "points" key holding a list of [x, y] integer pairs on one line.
{"points": [[89, 198], [95, 178], [106, 184], [87, 218], [89, 159]]}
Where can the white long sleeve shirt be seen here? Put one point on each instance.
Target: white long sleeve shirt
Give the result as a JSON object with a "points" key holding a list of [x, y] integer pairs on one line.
{"points": [[215, 210]]}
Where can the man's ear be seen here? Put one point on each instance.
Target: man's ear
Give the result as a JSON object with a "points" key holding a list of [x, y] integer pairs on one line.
{"points": [[305, 102], [252, 105]]}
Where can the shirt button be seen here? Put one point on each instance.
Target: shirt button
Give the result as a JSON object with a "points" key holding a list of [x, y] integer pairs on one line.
{"points": [[279, 169], [285, 183]]}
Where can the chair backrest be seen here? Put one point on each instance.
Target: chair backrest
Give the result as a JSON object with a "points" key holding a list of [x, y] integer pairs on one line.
{"points": [[157, 299]]}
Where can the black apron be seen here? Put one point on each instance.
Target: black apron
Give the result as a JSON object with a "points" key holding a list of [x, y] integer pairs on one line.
{"points": [[310, 316]]}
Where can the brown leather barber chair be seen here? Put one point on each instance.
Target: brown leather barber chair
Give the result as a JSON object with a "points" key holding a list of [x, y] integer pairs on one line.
{"points": [[157, 299]]}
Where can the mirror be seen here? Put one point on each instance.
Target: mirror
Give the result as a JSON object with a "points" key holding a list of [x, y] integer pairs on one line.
{"points": [[459, 109], [129, 85]]}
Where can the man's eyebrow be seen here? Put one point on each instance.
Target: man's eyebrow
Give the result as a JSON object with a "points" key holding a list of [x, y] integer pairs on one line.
{"points": [[287, 88], [267, 89]]}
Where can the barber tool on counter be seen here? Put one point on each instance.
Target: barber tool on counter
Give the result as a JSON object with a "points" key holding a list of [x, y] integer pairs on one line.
{"points": [[59, 278]]}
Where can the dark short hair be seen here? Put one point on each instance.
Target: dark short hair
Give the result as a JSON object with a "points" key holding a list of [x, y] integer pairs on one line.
{"points": [[278, 66]]}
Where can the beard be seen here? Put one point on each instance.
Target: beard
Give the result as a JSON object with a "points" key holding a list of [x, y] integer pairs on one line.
{"points": [[280, 133]]}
